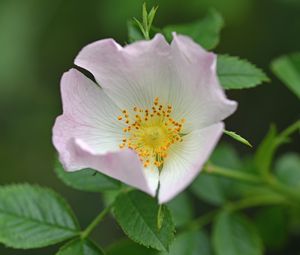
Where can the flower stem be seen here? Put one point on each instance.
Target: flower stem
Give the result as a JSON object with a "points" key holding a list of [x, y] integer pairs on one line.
{"points": [[233, 174], [291, 129], [95, 222], [271, 182], [278, 187], [269, 199]]}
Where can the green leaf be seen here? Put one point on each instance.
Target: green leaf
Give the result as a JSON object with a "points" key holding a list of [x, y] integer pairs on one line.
{"points": [[190, 243], [267, 149], [287, 69], [234, 235], [86, 179], [216, 189], [273, 235], [127, 247], [287, 169], [134, 32], [235, 73], [33, 217], [237, 137], [80, 247], [151, 15], [265, 152], [182, 209], [144, 27], [206, 31], [136, 213], [145, 17]]}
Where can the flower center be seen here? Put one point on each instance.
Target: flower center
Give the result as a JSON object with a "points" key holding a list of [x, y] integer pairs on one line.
{"points": [[151, 132]]}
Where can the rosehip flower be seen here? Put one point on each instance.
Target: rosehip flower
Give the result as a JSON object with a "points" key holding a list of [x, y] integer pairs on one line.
{"points": [[151, 120]]}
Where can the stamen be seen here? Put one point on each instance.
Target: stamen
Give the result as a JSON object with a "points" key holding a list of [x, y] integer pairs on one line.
{"points": [[151, 132]]}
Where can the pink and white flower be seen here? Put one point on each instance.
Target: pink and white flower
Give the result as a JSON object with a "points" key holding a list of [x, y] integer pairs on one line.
{"points": [[151, 120]]}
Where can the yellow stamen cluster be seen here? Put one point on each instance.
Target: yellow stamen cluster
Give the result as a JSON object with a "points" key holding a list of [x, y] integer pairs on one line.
{"points": [[151, 132]]}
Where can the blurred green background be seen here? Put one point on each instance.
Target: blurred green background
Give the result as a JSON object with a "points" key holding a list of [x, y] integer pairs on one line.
{"points": [[40, 39]]}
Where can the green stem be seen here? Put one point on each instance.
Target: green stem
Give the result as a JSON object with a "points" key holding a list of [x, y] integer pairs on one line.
{"points": [[233, 174], [248, 202], [271, 182], [95, 222], [275, 185], [146, 35], [291, 129]]}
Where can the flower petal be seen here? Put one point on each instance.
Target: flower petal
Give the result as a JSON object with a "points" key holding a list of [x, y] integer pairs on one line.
{"points": [[88, 134], [131, 75], [88, 114], [123, 165], [197, 68], [186, 159], [181, 74]]}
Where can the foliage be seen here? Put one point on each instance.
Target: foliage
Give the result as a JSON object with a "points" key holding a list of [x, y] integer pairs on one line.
{"points": [[234, 235], [236, 73], [287, 69], [80, 247], [32, 216], [205, 31], [137, 215], [86, 179], [237, 137]]}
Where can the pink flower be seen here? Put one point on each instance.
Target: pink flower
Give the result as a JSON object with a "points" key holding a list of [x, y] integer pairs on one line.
{"points": [[154, 118]]}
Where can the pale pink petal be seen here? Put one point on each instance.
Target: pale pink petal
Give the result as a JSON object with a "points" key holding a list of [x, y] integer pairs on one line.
{"points": [[88, 134], [197, 68], [88, 114], [181, 74], [133, 75], [186, 159], [123, 165]]}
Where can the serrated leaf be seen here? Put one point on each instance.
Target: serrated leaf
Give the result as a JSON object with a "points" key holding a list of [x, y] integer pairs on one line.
{"points": [[182, 209], [205, 31], [287, 69], [234, 235], [216, 189], [136, 213], [190, 243], [33, 217], [128, 247], [237, 137], [236, 73], [80, 247], [86, 179]]}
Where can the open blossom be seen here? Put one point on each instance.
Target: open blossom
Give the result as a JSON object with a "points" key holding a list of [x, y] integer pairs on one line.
{"points": [[151, 120]]}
